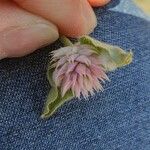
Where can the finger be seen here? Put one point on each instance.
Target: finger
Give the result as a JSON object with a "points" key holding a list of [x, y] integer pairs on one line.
{"points": [[21, 32], [97, 3], [73, 17]]}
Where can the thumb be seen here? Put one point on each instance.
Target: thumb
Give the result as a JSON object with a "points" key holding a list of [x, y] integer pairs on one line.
{"points": [[22, 32]]}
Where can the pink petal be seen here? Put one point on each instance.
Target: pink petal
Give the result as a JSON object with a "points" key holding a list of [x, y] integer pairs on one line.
{"points": [[89, 74], [73, 79], [80, 81], [81, 69], [99, 72], [72, 58], [85, 93], [96, 70], [77, 90], [61, 61], [66, 84], [62, 70], [57, 79], [96, 84], [87, 84], [61, 52], [83, 59], [71, 67]]}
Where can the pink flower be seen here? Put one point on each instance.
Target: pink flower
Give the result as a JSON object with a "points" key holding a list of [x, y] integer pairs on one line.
{"points": [[77, 68]]}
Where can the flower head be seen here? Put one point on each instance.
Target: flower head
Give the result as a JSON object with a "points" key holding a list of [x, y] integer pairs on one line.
{"points": [[77, 68]]}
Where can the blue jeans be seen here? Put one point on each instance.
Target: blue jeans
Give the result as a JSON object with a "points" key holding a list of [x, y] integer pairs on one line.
{"points": [[116, 119]]}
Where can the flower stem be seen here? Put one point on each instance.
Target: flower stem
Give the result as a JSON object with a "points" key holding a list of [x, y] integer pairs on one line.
{"points": [[66, 41]]}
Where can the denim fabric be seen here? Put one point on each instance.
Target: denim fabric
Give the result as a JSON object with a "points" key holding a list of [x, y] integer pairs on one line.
{"points": [[116, 119], [126, 6]]}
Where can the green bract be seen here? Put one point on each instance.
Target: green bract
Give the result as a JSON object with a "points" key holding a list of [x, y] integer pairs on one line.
{"points": [[112, 57], [54, 99]]}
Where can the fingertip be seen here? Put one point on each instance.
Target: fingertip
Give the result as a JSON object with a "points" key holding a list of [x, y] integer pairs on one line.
{"points": [[21, 41], [82, 23]]}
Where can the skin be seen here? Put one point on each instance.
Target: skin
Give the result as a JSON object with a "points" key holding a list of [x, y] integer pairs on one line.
{"points": [[26, 25]]}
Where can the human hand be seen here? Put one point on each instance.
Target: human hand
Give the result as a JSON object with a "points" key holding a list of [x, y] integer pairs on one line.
{"points": [[26, 25]]}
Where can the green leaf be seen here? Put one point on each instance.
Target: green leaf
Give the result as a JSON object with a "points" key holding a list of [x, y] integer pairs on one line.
{"points": [[54, 99], [111, 57], [53, 106], [97, 45], [120, 57], [49, 74], [53, 94]]}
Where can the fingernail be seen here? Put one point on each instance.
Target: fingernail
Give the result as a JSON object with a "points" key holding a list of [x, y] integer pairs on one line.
{"points": [[20, 41]]}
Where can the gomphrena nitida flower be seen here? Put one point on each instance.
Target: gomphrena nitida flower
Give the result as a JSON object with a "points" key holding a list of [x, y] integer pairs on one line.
{"points": [[78, 68]]}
